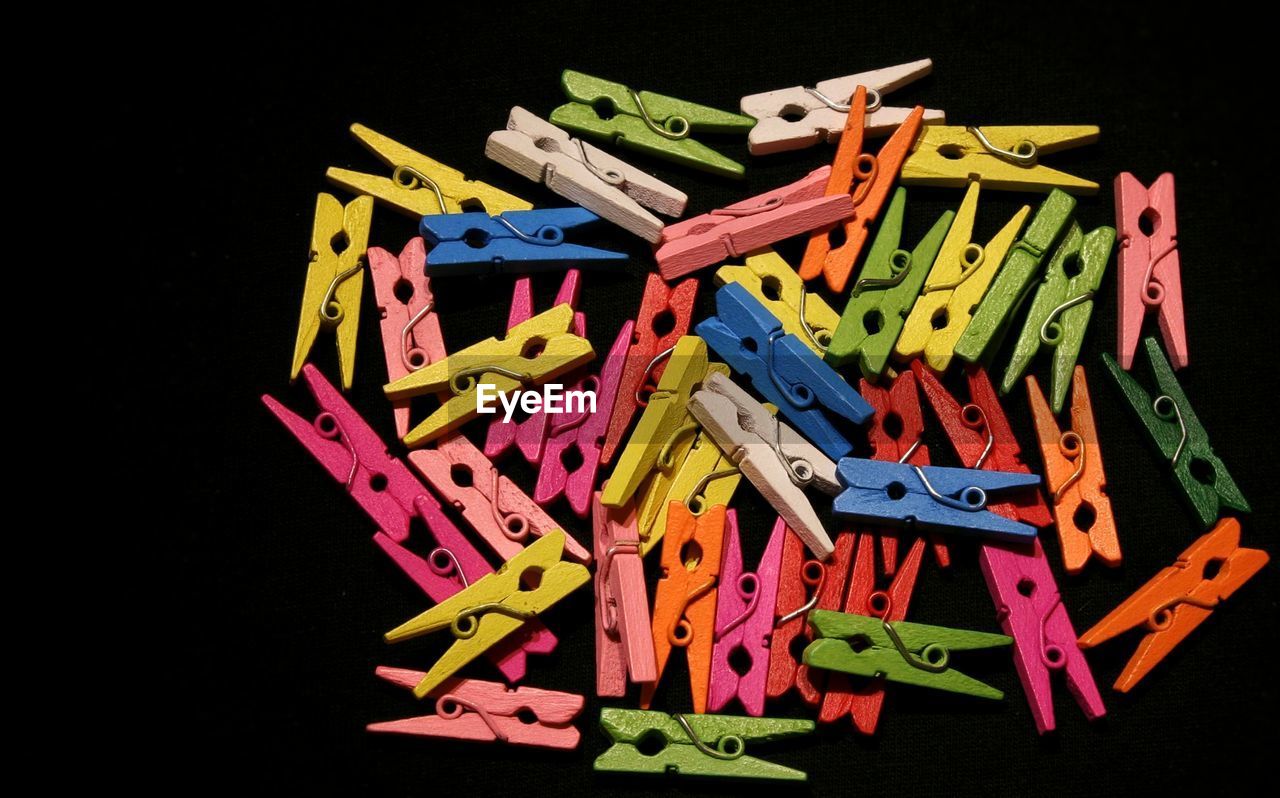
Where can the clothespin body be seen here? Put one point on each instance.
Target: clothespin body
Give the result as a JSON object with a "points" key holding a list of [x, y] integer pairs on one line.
{"points": [[744, 622], [624, 636], [952, 156], [772, 281], [1150, 269], [510, 243], [704, 478]]}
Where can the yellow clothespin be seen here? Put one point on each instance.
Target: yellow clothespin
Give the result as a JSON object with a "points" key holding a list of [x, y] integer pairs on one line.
{"points": [[531, 353], [1004, 157], [772, 281], [335, 279], [494, 606], [956, 283], [420, 186]]}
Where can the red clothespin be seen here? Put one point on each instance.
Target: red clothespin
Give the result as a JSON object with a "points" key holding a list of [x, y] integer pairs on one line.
{"points": [[530, 434], [1150, 272], [664, 316], [411, 335], [470, 709], [624, 633], [744, 622]]}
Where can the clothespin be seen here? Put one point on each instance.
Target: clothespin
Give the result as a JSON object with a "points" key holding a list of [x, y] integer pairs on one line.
{"points": [[704, 478], [866, 179], [420, 185], [532, 353], [772, 281], [777, 460], [902, 652], [995, 312], [1179, 598], [1002, 157], [331, 298], [1150, 269], [584, 174], [745, 226], [1076, 481], [509, 243], [491, 608], [491, 503], [956, 283], [624, 636], [694, 745], [684, 604], [654, 124], [664, 316], [744, 623], [470, 709], [1172, 426], [883, 295], [1061, 309], [782, 369], [824, 109]]}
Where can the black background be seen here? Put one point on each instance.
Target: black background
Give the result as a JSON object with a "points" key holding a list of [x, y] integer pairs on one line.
{"points": [[274, 599]]}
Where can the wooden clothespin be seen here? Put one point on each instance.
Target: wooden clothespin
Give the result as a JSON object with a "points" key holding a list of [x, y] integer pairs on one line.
{"points": [[772, 281], [513, 242], [1150, 269], [624, 635], [704, 477], [1002, 157]]}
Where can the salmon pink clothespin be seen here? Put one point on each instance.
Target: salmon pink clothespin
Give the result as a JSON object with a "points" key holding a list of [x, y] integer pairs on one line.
{"points": [[1150, 271], [624, 633]]}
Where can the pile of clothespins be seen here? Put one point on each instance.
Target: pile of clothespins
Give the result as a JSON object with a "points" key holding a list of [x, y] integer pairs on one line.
{"points": [[762, 389]]}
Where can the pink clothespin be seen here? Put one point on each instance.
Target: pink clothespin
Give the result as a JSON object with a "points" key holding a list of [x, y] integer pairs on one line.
{"points": [[470, 709], [411, 335], [1150, 273], [744, 622], [530, 434], [624, 634]]}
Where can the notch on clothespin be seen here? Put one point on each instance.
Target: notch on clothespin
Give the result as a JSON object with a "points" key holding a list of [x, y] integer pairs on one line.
{"points": [[800, 117], [624, 634], [654, 124], [1150, 269], [1002, 157], [486, 712], [866, 180], [956, 283], [1179, 598], [1179, 437], [750, 224], [513, 242], [772, 281], [782, 369], [694, 745], [584, 174]]}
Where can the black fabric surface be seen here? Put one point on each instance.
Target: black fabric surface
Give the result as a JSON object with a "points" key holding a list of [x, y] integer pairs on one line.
{"points": [[283, 596]]}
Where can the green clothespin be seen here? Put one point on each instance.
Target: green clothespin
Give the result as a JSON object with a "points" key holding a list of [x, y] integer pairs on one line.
{"points": [[1060, 311], [908, 653], [694, 745], [1173, 427], [885, 291], [987, 328], [651, 123]]}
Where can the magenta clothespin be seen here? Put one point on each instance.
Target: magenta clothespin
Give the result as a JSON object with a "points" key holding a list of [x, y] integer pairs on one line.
{"points": [[529, 435], [624, 634], [584, 434], [411, 335], [744, 621], [1150, 272], [470, 709]]}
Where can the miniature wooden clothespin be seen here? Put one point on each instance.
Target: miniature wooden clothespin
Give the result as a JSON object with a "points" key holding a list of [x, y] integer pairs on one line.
{"points": [[624, 634], [746, 226], [486, 712], [584, 174], [1150, 269], [824, 109], [866, 179], [510, 243], [1179, 598], [335, 280], [704, 477], [1002, 157], [772, 281], [1172, 426], [956, 283], [654, 124]]}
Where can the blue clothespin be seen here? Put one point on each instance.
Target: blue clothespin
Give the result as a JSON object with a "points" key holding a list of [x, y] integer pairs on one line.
{"points": [[782, 368], [931, 497], [512, 242]]}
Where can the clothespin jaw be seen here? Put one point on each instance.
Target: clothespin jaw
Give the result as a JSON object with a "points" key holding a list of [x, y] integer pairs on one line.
{"points": [[420, 185], [908, 653], [772, 281], [704, 478], [686, 740], [335, 280], [654, 124], [1150, 268], [493, 607], [1172, 426], [512, 242], [1179, 598], [624, 639], [1005, 158], [1060, 311]]}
